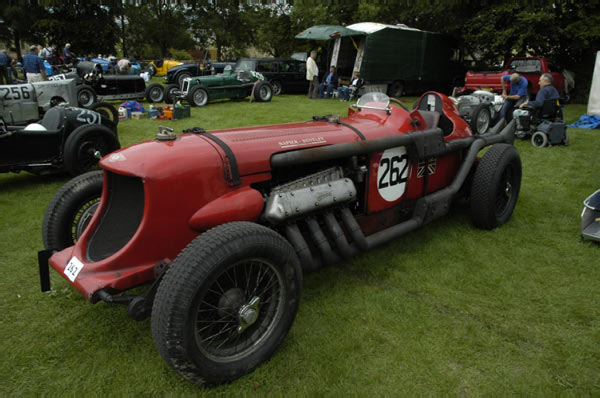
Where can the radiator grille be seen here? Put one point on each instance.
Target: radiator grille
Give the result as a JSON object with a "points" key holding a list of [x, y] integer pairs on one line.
{"points": [[120, 219]]}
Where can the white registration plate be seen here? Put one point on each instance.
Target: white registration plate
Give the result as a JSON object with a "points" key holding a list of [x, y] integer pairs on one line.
{"points": [[73, 268]]}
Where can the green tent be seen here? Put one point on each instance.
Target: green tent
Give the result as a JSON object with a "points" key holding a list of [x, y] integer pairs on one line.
{"points": [[327, 32]]}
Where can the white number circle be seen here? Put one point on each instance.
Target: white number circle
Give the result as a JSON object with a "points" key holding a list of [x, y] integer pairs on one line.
{"points": [[392, 174]]}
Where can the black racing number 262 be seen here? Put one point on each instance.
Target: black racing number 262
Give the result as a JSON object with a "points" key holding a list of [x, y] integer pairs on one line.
{"points": [[393, 174], [15, 92]]}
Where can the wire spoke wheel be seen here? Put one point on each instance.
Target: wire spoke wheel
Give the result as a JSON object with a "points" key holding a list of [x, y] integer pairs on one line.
{"points": [[239, 309]]}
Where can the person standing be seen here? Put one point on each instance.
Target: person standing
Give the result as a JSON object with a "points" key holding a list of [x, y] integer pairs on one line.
{"points": [[68, 56], [312, 75], [34, 66], [4, 68]]}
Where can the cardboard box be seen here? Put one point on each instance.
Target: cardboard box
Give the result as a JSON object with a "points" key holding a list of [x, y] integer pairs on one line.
{"points": [[138, 115]]}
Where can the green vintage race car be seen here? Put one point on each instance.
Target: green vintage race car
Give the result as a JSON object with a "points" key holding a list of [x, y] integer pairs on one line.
{"points": [[201, 89]]}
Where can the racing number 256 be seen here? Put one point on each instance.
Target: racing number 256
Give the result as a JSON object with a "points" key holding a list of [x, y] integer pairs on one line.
{"points": [[394, 171], [15, 92]]}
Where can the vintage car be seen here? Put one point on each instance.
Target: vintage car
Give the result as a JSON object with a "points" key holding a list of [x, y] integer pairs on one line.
{"points": [[199, 90], [480, 109], [93, 85], [66, 139], [221, 225], [25, 103], [161, 66], [285, 75], [177, 74]]}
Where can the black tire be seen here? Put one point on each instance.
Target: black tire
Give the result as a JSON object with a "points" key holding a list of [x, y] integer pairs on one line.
{"points": [[206, 289], [155, 93], [182, 76], [198, 96], [396, 89], [480, 119], [263, 92], [106, 110], [86, 145], [565, 140], [70, 210], [169, 97], [495, 187], [86, 96], [539, 139], [152, 69], [277, 87]]}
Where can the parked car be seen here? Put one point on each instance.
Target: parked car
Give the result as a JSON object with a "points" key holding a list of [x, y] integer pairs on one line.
{"points": [[67, 138], [160, 67], [529, 67], [93, 85], [199, 90], [177, 74], [221, 225], [27, 102], [285, 75], [480, 109]]}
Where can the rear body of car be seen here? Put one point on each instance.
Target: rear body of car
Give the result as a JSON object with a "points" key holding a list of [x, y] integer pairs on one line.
{"points": [[160, 67], [286, 75]]}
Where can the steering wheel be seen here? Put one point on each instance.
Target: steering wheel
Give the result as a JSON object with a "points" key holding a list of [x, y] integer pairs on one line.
{"points": [[402, 104]]}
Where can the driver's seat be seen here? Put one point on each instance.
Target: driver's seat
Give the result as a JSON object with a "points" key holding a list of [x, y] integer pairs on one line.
{"points": [[54, 119], [432, 102]]}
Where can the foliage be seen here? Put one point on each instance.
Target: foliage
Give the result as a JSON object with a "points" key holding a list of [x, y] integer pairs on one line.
{"points": [[272, 29], [445, 311], [181, 55], [18, 25]]}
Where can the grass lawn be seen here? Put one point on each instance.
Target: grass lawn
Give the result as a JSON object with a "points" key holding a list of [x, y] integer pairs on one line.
{"points": [[446, 310]]}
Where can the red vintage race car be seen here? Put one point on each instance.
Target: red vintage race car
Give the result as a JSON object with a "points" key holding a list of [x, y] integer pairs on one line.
{"points": [[221, 225]]}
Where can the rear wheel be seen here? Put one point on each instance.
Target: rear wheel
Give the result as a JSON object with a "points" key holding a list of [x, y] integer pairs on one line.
{"points": [[86, 96], [480, 119], [198, 96], [71, 210], [106, 110], [495, 187], [86, 145], [396, 90], [155, 93], [152, 69], [539, 139], [263, 92], [226, 302], [565, 139]]}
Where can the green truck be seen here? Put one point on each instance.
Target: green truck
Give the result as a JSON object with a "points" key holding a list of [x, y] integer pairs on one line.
{"points": [[390, 58]]}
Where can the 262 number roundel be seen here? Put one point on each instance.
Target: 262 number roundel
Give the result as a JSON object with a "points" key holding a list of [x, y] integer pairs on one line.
{"points": [[392, 174]]}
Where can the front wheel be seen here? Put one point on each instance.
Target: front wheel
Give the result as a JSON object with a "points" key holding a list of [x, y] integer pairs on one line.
{"points": [[277, 88], [70, 210], [86, 96], [226, 302], [263, 92], [539, 139], [198, 96], [480, 119], [495, 187], [155, 93], [170, 91], [106, 110], [86, 145]]}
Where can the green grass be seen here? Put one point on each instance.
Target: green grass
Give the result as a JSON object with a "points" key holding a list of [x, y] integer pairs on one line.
{"points": [[446, 310]]}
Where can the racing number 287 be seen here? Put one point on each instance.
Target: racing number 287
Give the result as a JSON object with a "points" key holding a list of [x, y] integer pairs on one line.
{"points": [[17, 93], [394, 171]]}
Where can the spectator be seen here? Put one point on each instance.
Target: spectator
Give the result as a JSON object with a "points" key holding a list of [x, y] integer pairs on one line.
{"points": [[345, 92], [47, 53], [34, 66], [4, 68], [68, 56], [123, 66], [518, 93], [547, 92], [312, 75], [10, 70], [330, 83]]}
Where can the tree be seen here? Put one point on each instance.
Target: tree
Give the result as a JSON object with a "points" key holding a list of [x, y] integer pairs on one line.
{"points": [[18, 25], [272, 28]]}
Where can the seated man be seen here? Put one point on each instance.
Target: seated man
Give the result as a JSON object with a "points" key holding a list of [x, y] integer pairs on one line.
{"points": [[329, 83], [345, 92], [517, 95], [547, 92]]}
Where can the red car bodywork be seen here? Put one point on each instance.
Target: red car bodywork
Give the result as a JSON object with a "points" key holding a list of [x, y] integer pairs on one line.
{"points": [[490, 81], [188, 187]]}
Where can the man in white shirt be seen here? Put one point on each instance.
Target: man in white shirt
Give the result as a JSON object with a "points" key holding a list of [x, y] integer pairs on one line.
{"points": [[312, 75]]}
